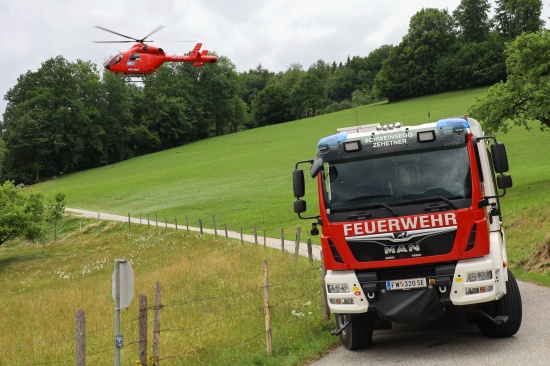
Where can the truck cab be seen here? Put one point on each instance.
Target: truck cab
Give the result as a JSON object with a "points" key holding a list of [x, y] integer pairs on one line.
{"points": [[412, 227]]}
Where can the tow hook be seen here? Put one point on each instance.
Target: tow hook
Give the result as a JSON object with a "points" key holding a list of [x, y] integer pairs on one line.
{"points": [[337, 332], [497, 320]]}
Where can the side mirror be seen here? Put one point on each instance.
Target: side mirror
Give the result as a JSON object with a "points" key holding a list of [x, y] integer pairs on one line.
{"points": [[299, 206], [500, 159], [316, 167], [299, 184], [504, 181]]}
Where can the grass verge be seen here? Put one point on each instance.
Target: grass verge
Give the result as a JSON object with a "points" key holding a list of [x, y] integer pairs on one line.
{"points": [[212, 292]]}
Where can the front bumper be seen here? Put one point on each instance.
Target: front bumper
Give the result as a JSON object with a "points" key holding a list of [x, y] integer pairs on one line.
{"points": [[447, 286]]}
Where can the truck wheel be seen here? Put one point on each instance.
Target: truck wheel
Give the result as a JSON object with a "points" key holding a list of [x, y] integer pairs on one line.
{"points": [[510, 306], [358, 334]]}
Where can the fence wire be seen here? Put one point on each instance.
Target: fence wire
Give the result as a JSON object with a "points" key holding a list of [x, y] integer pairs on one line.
{"points": [[252, 293]]}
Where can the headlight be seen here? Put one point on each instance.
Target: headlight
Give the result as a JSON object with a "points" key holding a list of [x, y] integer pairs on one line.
{"points": [[338, 288], [480, 276]]}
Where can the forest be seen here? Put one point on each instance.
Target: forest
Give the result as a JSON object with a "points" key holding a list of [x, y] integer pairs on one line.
{"points": [[69, 116]]}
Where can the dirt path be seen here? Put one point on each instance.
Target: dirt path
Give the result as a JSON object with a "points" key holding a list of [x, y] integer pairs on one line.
{"points": [[289, 245]]}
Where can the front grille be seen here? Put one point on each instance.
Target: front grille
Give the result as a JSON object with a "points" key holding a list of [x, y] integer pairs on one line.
{"points": [[393, 246]]}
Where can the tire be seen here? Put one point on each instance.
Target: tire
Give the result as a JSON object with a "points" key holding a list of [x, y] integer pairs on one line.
{"points": [[358, 334], [510, 306]]}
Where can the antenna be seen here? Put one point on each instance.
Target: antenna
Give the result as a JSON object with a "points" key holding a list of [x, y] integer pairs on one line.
{"points": [[427, 102]]}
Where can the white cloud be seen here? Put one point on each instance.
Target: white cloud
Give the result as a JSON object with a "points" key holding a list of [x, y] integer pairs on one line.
{"points": [[274, 33]]}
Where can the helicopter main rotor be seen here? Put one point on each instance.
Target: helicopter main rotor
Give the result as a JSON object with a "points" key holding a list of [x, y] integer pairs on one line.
{"points": [[142, 40]]}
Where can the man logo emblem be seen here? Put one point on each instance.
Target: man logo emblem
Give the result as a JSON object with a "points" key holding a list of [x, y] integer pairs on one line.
{"points": [[400, 236]]}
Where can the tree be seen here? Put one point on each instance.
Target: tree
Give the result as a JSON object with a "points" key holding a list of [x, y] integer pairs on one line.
{"points": [[371, 66], [513, 17], [50, 120], [272, 104], [56, 208], [409, 69], [216, 86], [115, 107], [341, 84], [471, 64], [239, 117], [358, 75], [21, 216], [525, 94], [472, 19], [252, 82], [2, 150], [310, 90]]}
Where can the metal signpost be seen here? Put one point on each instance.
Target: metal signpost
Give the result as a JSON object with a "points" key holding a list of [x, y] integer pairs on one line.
{"points": [[123, 291]]}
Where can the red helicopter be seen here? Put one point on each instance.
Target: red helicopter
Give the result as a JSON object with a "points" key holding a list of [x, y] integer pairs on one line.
{"points": [[143, 60]]}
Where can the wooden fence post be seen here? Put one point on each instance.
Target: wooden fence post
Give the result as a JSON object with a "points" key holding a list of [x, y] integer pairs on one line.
{"points": [[148, 221], [165, 223], [128, 220], [156, 330], [266, 311], [309, 250], [80, 338], [156, 220], [283, 239], [187, 223], [176, 222], [142, 348], [200, 225], [226, 233], [297, 249], [140, 217], [215, 228], [242, 241], [255, 235]]}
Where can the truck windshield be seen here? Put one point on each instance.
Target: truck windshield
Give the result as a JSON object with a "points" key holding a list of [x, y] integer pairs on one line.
{"points": [[398, 179]]}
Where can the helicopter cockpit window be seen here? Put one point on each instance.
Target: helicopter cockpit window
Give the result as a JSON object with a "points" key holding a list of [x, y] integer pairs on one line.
{"points": [[134, 57], [115, 60]]}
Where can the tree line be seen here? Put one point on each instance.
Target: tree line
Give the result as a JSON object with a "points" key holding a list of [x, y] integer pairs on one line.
{"points": [[68, 117]]}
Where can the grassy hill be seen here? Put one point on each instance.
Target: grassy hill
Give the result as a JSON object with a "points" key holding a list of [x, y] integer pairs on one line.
{"points": [[244, 179]]}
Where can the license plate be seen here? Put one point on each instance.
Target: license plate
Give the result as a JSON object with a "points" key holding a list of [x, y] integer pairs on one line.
{"points": [[406, 284]]}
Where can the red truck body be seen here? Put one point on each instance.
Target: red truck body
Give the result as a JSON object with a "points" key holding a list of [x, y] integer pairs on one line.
{"points": [[411, 227]]}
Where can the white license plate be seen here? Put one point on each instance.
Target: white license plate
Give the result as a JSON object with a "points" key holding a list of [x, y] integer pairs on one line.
{"points": [[406, 284]]}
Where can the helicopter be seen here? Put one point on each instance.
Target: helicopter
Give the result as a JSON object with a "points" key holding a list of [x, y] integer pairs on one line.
{"points": [[143, 60]]}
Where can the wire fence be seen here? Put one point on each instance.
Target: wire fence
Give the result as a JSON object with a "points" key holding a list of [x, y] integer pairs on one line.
{"points": [[96, 344]]}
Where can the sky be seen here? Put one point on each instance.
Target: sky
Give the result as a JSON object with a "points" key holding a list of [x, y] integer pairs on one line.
{"points": [[273, 33]]}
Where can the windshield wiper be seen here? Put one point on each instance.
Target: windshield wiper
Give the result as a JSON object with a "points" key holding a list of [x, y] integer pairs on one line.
{"points": [[430, 199], [377, 204]]}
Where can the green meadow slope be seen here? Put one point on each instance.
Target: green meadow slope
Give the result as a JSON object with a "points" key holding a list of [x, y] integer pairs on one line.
{"points": [[244, 179]]}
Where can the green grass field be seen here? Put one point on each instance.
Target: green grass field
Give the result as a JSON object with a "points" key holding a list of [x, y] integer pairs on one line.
{"points": [[213, 310], [244, 180]]}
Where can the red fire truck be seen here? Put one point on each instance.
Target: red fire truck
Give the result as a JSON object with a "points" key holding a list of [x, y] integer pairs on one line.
{"points": [[412, 227]]}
